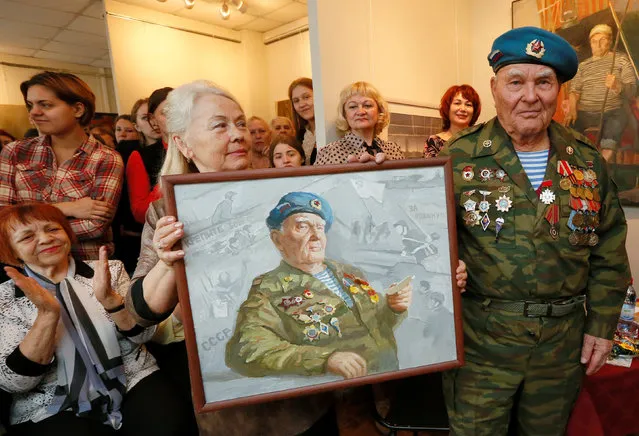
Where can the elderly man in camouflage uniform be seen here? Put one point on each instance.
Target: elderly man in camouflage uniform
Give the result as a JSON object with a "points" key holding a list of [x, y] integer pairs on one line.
{"points": [[310, 315], [542, 232]]}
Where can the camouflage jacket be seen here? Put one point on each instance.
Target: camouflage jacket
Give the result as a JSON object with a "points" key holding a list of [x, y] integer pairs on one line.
{"points": [[291, 323], [530, 259]]}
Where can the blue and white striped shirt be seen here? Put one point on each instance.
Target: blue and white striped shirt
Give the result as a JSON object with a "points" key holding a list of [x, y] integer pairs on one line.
{"points": [[328, 278], [534, 163]]}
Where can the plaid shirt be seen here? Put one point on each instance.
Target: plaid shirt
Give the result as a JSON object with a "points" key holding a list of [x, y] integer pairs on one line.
{"points": [[29, 173]]}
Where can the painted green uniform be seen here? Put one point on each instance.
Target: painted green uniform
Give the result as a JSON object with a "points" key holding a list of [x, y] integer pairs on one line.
{"points": [[535, 256], [291, 323]]}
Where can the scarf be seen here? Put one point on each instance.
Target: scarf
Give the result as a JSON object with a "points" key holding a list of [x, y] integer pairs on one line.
{"points": [[91, 379]]}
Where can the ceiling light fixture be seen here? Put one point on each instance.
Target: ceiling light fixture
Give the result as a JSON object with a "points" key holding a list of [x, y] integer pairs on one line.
{"points": [[225, 12], [240, 5], [189, 4]]}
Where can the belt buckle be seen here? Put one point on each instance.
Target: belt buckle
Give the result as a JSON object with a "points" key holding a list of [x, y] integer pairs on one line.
{"points": [[529, 315]]}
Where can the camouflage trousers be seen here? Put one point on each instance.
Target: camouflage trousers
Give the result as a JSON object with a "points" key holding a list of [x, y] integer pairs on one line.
{"points": [[508, 354]]}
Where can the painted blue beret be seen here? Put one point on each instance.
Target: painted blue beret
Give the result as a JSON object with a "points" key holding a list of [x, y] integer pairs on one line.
{"points": [[532, 45], [299, 202]]}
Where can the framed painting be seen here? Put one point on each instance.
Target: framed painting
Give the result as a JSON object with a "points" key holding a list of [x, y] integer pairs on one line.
{"points": [[303, 280], [602, 101]]}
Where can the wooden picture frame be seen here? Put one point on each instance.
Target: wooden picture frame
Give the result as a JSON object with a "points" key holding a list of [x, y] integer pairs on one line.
{"points": [[391, 221]]}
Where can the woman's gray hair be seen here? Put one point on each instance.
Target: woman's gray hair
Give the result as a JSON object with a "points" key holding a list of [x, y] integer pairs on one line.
{"points": [[178, 110]]}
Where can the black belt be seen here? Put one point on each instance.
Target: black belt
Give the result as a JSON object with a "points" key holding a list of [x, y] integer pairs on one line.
{"points": [[532, 309]]}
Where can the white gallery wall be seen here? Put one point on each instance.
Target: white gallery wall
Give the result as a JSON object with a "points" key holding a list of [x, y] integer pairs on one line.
{"points": [[16, 69], [153, 50]]}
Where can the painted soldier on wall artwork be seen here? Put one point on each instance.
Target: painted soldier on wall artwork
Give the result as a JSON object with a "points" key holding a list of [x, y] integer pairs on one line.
{"points": [[312, 315]]}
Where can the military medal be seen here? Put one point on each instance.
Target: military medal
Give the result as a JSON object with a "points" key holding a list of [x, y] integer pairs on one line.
{"points": [[573, 238], [288, 279], [570, 150], [499, 223], [471, 218], [503, 203], [552, 216], [547, 196], [469, 193], [316, 317], [500, 174], [484, 205], [485, 174], [588, 194], [334, 322], [312, 333], [503, 189], [323, 328], [353, 289], [286, 303], [373, 296], [578, 220], [485, 221], [307, 293], [467, 173], [469, 205], [329, 308], [593, 239], [565, 184], [487, 143]]}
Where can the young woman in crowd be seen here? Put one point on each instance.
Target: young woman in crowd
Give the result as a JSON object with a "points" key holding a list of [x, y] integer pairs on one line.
{"points": [[285, 151], [93, 376], [140, 118], [198, 145], [6, 138], [362, 114], [459, 108], [64, 166], [261, 141], [124, 129], [144, 165], [300, 93]]}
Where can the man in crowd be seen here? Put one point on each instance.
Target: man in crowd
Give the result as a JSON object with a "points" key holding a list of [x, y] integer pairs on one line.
{"points": [[542, 231], [311, 315], [604, 71], [283, 126], [261, 137]]}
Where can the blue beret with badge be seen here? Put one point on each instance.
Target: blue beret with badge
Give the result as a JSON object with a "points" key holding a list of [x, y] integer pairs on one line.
{"points": [[532, 45], [299, 202]]}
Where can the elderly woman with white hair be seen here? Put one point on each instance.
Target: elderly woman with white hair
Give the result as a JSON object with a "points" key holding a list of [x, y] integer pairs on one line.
{"points": [[362, 114], [208, 132]]}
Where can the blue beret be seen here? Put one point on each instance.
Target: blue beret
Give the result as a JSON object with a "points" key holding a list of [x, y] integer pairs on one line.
{"points": [[299, 202], [532, 45]]}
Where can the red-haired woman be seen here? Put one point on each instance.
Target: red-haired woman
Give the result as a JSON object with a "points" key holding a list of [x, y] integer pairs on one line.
{"points": [[64, 166], [71, 356], [460, 107]]}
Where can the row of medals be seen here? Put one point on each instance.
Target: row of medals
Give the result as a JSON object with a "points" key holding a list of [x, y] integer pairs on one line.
{"points": [[585, 204], [475, 209]]}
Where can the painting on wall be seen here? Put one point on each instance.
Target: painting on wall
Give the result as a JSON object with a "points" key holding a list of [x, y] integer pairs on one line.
{"points": [[602, 101], [304, 280]]}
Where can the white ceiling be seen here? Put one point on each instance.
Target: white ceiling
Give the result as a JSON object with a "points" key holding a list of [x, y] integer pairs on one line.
{"points": [[64, 30], [261, 15], [75, 30]]}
